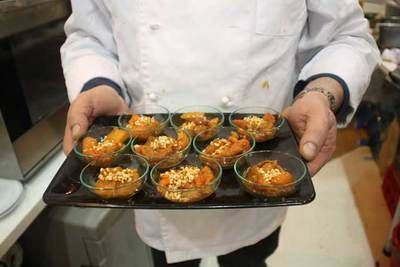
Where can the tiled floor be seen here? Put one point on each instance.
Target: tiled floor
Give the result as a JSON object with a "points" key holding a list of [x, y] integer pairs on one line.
{"points": [[345, 226]]}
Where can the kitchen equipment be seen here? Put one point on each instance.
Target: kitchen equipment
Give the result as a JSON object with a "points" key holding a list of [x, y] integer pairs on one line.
{"points": [[11, 192], [65, 188], [389, 33], [392, 8], [71, 237], [33, 97], [21, 15]]}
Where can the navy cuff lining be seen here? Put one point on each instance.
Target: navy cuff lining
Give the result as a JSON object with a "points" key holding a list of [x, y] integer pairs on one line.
{"points": [[105, 81], [345, 108], [102, 81]]}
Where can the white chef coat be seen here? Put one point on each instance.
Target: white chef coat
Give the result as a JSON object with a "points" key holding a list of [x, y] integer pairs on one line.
{"points": [[225, 53]]}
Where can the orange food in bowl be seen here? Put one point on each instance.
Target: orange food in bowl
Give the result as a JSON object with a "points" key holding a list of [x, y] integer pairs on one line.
{"points": [[117, 182], [186, 184], [196, 122], [160, 147], [232, 146], [262, 128], [269, 178], [102, 150], [142, 127]]}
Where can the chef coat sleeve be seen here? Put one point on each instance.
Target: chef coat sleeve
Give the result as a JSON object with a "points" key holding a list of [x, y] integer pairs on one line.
{"points": [[89, 55], [336, 42]]}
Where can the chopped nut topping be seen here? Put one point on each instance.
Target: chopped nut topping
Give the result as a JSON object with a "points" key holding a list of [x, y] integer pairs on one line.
{"points": [[145, 120], [196, 122], [269, 174], [174, 183], [118, 174], [181, 177], [254, 122], [104, 144], [189, 126], [269, 179], [162, 142], [227, 147], [221, 144], [262, 128]]}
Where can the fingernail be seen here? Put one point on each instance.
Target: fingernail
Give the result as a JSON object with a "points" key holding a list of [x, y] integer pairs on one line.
{"points": [[75, 131], [309, 150]]}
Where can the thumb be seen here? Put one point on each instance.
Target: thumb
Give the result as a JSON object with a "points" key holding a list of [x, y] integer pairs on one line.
{"points": [[77, 124], [315, 134], [285, 112]]}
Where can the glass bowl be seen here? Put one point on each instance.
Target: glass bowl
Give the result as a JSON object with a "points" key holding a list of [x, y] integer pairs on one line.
{"points": [[153, 158], [186, 195], [288, 162], [195, 125], [101, 159], [226, 162], [237, 120], [142, 129], [116, 190]]}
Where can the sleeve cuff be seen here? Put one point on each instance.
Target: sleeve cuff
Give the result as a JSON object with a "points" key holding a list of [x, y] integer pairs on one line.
{"points": [[345, 108], [97, 81]]}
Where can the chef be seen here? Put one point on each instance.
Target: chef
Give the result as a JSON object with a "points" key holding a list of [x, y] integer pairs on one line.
{"points": [[311, 58]]}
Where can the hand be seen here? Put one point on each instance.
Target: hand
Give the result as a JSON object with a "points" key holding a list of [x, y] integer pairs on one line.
{"points": [[315, 126], [101, 100]]}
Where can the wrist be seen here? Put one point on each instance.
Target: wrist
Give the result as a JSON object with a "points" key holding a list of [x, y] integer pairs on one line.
{"points": [[99, 93], [320, 94], [336, 85]]}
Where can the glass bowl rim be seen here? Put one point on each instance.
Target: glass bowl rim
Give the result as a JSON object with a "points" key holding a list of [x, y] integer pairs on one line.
{"points": [[218, 111], [168, 113], [216, 179], [198, 151], [79, 153], [297, 181], [141, 179], [275, 112]]}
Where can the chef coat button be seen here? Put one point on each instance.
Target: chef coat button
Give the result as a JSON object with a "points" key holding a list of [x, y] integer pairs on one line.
{"points": [[154, 27], [153, 97], [226, 101]]}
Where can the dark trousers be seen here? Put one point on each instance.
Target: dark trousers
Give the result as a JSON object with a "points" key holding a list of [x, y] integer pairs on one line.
{"points": [[250, 256]]}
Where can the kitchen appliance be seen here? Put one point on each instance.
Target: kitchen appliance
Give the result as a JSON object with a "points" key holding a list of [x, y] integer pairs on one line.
{"points": [[69, 237], [11, 192], [33, 97], [392, 8], [389, 33]]}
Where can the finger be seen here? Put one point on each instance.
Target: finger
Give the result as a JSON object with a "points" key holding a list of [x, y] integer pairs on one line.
{"points": [[124, 109], [315, 134], [297, 121], [285, 113], [68, 142], [325, 153], [320, 160], [79, 116]]}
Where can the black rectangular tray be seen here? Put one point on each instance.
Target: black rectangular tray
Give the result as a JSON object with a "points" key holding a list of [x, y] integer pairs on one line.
{"points": [[65, 188]]}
